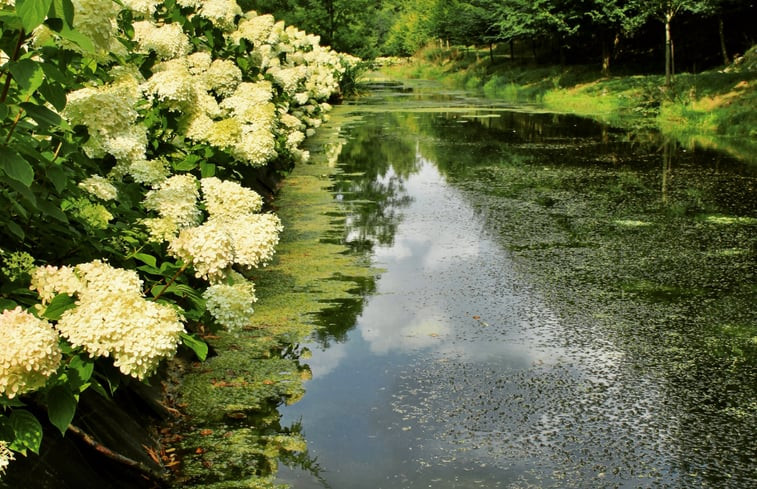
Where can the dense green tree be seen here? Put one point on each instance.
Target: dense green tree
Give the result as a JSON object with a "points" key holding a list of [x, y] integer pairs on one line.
{"points": [[608, 20]]}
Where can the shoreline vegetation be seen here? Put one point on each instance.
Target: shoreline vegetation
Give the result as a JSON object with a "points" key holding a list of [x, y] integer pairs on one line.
{"points": [[713, 109]]}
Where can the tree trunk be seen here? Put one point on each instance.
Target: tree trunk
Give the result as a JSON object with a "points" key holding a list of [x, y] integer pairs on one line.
{"points": [[491, 52], [668, 49], [606, 53], [512, 50], [723, 50]]}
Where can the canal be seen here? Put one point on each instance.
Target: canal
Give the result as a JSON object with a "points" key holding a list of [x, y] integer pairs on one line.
{"points": [[559, 305]]}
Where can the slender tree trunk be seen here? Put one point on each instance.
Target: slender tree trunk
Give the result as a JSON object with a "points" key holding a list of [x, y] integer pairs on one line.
{"points": [[723, 50], [512, 50], [491, 52], [668, 49], [606, 53]]}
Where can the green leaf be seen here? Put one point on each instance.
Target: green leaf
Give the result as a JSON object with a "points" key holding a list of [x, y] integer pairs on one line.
{"points": [[207, 170], [64, 10], [24, 191], [83, 367], [79, 39], [60, 304], [147, 259], [61, 407], [58, 177], [27, 430], [54, 94], [4, 111], [16, 167], [196, 345], [27, 73], [16, 230], [32, 12], [43, 116], [7, 304]]}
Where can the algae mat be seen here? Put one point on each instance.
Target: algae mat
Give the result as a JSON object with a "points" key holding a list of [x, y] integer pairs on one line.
{"points": [[233, 437]]}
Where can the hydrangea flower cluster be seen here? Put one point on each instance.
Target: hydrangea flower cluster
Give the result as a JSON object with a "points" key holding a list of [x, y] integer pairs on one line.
{"points": [[6, 456], [99, 187], [175, 201], [30, 353], [111, 317], [231, 303], [234, 233]]}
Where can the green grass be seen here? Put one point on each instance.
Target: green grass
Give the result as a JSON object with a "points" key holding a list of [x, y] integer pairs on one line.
{"points": [[715, 109]]}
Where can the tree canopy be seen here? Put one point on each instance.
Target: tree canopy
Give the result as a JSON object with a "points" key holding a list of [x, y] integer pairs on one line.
{"points": [[643, 32]]}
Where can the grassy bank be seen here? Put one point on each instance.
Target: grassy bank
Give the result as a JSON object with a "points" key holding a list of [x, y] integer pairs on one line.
{"points": [[713, 109]]}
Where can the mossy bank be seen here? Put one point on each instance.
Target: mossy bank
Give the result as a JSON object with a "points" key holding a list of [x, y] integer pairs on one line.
{"points": [[714, 109]]}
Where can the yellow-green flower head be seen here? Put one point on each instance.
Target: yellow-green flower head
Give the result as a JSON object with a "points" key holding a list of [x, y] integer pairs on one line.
{"points": [[168, 41], [224, 134], [231, 305], [99, 187], [16, 264], [221, 13], [30, 352], [229, 199]]}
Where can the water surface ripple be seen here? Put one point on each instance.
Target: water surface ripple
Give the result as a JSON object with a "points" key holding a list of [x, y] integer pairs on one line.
{"points": [[517, 337]]}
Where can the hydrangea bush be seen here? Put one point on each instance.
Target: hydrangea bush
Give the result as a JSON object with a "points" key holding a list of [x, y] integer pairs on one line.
{"points": [[127, 127]]}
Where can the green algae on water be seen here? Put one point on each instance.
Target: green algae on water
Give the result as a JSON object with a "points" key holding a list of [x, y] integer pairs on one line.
{"points": [[232, 437]]}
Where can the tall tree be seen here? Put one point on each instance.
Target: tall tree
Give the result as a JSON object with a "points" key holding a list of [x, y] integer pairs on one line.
{"points": [[665, 11], [609, 20]]}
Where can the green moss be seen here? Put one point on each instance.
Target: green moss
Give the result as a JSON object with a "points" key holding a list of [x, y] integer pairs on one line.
{"points": [[232, 438]]}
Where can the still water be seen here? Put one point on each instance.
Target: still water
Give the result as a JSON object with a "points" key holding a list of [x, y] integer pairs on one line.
{"points": [[559, 305]]}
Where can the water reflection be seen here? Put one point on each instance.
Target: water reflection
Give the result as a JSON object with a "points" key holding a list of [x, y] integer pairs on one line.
{"points": [[558, 309]]}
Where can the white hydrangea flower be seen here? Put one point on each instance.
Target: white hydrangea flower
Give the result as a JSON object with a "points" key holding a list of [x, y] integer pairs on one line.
{"points": [[229, 199], [231, 304], [223, 76], [255, 238], [221, 13], [208, 247], [144, 7], [190, 3], [6, 455], [167, 41], [96, 20], [199, 62], [172, 83], [30, 352], [148, 172], [256, 147], [113, 319], [49, 281], [254, 28], [175, 200], [289, 78], [100, 187]]}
